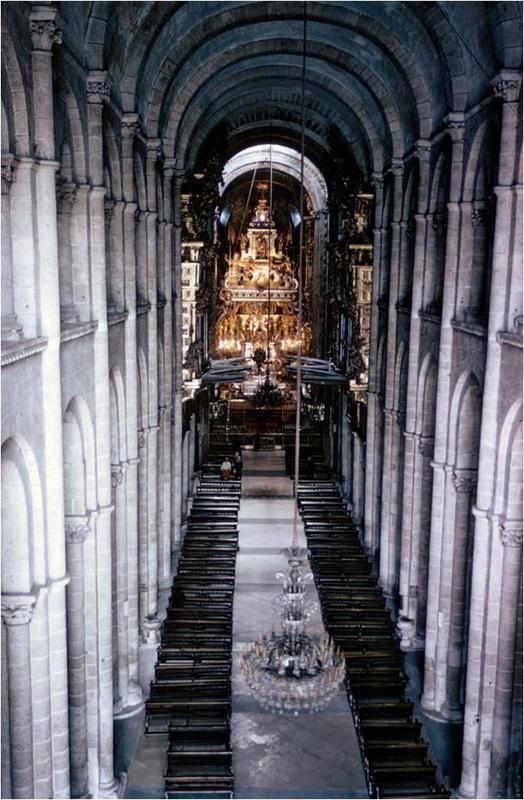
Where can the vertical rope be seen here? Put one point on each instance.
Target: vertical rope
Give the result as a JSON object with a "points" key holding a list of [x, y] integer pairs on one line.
{"points": [[269, 252], [294, 544]]}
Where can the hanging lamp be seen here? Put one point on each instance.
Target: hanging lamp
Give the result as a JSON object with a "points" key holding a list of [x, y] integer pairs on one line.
{"points": [[290, 671]]}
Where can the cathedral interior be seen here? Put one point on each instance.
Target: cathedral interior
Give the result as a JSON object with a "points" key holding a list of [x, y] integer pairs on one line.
{"points": [[261, 303]]}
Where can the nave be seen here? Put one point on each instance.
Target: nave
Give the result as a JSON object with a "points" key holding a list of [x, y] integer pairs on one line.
{"points": [[273, 756], [196, 198]]}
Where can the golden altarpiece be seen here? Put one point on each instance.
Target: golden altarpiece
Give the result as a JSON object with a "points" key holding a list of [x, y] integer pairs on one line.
{"points": [[259, 297]]}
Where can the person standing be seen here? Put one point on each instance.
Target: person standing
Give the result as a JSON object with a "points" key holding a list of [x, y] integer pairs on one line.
{"points": [[238, 464], [225, 469]]}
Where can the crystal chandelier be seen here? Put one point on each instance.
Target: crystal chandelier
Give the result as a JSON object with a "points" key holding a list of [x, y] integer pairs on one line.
{"points": [[292, 671]]}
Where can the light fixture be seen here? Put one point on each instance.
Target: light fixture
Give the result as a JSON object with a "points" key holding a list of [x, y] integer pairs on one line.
{"points": [[291, 671]]}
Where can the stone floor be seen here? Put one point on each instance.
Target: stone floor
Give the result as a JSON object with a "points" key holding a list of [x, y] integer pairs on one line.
{"points": [[307, 756]]}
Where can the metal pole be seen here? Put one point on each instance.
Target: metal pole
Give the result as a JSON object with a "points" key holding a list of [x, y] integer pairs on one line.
{"points": [[300, 265]]}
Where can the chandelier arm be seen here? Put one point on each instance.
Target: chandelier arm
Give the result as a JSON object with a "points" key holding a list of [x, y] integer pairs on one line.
{"points": [[300, 281]]}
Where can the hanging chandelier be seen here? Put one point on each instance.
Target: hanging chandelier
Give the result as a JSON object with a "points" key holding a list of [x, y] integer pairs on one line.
{"points": [[291, 671]]}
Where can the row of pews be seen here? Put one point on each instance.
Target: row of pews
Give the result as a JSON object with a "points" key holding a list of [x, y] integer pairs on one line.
{"points": [[191, 691], [395, 756], [311, 462]]}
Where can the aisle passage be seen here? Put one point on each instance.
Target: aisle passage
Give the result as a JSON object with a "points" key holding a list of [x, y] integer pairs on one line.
{"points": [[310, 756]]}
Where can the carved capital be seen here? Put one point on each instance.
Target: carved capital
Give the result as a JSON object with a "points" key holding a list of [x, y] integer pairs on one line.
{"points": [[394, 415], [478, 217], [377, 180], [8, 174], [154, 149], [169, 167], [439, 223], [507, 85], [423, 149], [396, 167], [98, 86], [109, 211], [130, 126], [455, 125], [44, 33], [464, 481], [17, 609], [426, 446], [511, 533], [66, 193], [410, 229], [117, 474], [76, 528], [143, 433]]}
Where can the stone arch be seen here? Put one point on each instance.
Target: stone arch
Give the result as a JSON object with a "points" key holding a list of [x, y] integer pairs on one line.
{"points": [[23, 537], [479, 158], [401, 377], [14, 96], [78, 414], [143, 394], [112, 161], [409, 210], [140, 182], [284, 158], [409, 204], [387, 206], [381, 364], [508, 491], [69, 128], [464, 422], [436, 254], [427, 396], [6, 131], [117, 406]]}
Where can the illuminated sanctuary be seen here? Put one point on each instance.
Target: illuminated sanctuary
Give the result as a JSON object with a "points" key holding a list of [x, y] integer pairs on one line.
{"points": [[258, 300]]}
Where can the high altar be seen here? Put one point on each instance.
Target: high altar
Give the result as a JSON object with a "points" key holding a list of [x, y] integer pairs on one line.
{"points": [[260, 289]]}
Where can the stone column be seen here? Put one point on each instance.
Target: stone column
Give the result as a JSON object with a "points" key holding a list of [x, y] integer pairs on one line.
{"points": [[177, 435], [127, 252], [415, 541], [151, 621], [77, 529], [374, 434], [148, 561], [44, 35], [510, 599], [16, 616], [164, 549], [442, 488], [11, 328], [6, 722], [390, 480], [414, 536], [97, 92], [496, 593], [127, 698]]}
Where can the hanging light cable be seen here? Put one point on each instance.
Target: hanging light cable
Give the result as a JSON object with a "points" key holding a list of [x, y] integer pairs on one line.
{"points": [[269, 218], [291, 671]]}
